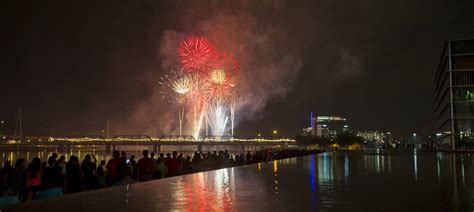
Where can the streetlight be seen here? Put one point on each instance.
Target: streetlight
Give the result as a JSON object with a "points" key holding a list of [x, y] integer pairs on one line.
{"points": [[275, 132], [414, 139], [2, 126]]}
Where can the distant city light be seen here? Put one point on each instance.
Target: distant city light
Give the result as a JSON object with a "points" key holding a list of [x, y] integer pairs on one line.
{"points": [[275, 132], [414, 134]]}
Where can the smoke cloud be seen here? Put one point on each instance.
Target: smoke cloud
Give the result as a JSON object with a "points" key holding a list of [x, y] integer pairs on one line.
{"points": [[269, 56]]}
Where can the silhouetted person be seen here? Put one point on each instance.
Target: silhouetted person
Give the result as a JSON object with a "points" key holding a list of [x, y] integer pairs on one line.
{"points": [[152, 155], [53, 157], [133, 163], [112, 172], [19, 178], [101, 170], [62, 163], [33, 179], [88, 168], [160, 169], [173, 164], [52, 175], [73, 177], [5, 173], [145, 168], [248, 157]]}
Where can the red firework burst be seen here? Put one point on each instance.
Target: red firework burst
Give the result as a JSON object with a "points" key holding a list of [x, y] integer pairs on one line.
{"points": [[195, 53]]}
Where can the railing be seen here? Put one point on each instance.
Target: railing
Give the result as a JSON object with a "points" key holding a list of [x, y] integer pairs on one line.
{"points": [[177, 138]]}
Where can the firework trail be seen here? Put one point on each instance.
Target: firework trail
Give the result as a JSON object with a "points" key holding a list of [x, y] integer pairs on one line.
{"points": [[232, 116], [222, 81], [181, 120], [176, 89], [218, 117]]}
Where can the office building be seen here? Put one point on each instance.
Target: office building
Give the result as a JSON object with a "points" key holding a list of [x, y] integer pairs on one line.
{"points": [[329, 126], [375, 136], [454, 95]]}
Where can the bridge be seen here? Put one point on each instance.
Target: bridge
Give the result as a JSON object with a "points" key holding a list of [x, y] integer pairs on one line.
{"points": [[67, 143]]}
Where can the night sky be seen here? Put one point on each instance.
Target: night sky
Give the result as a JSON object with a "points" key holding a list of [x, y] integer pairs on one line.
{"points": [[72, 65]]}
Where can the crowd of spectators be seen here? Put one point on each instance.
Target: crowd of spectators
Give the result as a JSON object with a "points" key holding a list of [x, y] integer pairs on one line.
{"points": [[38, 179]]}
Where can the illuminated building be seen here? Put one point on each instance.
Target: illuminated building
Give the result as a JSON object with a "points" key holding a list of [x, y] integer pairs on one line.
{"points": [[329, 126], [375, 136], [308, 131], [454, 95]]}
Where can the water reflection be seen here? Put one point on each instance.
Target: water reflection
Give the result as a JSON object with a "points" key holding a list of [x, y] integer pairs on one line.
{"points": [[346, 166], [374, 163], [331, 173], [325, 173], [338, 181], [438, 169], [312, 173], [275, 166], [415, 164], [275, 181], [205, 191], [462, 170], [127, 194]]}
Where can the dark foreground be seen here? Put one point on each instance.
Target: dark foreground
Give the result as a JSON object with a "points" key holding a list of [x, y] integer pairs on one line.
{"points": [[357, 180]]}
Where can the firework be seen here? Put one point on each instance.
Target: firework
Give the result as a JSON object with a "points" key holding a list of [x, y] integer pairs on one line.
{"points": [[218, 112], [224, 77], [195, 53], [206, 85], [166, 83], [227, 63], [175, 87], [218, 84], [217, 76], [182, 85]]}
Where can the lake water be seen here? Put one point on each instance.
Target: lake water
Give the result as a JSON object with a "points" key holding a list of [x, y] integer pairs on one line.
{"points": [[355, 180]]}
